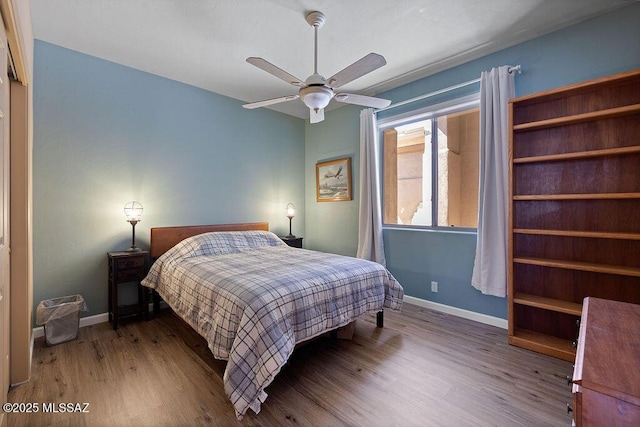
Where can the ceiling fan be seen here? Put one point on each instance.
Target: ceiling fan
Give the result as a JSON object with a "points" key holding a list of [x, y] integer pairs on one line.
{"points": [[316, 91]]}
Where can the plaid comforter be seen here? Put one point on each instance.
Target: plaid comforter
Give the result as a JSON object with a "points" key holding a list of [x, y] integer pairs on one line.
{"points": [[253, 298]]}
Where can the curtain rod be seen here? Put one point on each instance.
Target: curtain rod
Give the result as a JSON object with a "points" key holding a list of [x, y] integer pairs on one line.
{"points": [[511, 70]]}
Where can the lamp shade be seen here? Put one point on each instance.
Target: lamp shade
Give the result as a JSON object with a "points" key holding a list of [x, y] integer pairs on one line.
{"points": [[291, 210], [133, 211]]}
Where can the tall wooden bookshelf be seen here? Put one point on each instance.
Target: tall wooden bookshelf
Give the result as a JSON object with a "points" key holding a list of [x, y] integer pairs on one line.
{"points": [[574, 211]]}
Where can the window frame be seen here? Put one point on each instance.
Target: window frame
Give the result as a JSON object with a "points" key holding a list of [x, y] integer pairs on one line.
{"points": [[425, 113]]}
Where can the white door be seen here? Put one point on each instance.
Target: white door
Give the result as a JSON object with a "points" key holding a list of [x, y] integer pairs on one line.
{"points": [[4, 224]]}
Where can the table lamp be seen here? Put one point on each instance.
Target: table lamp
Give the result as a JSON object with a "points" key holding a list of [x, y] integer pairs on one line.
{"points": [[133, 212]]}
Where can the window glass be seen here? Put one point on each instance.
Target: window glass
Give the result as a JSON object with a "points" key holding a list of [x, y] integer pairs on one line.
{"points": [[431, 168]]}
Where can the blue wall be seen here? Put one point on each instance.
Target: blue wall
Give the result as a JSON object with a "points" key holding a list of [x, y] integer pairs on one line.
{"points": [[602, 46], [334, 225], [105, 134]]}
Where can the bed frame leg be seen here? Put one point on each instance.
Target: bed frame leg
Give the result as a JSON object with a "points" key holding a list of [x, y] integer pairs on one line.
{"points": [[156, 302], [380, 319]]}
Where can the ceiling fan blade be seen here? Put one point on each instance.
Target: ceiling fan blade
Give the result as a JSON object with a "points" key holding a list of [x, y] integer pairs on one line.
{"points": [[363, 66], [367, 101], [316, 116], [266, 102], [273, 70]]}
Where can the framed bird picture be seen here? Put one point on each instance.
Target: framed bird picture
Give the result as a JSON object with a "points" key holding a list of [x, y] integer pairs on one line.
{"points": [[333, 180]]}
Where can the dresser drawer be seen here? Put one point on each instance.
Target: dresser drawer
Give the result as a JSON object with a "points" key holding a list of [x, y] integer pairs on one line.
{"points": [[129, 262], [130, 274]]}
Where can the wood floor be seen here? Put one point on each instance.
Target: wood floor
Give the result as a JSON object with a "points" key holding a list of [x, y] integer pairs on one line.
{"points": [[423, 368]]}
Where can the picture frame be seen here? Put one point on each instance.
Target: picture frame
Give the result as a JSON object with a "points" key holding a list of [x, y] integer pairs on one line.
{"points": [[333, 180]]}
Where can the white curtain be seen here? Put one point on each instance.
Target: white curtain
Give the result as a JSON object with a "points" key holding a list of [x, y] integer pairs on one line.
{"points": [[370, 245], [490, 267]]}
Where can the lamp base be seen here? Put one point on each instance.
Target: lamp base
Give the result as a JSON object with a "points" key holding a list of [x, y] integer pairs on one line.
{"points": [[289, 236], [133, 249]]}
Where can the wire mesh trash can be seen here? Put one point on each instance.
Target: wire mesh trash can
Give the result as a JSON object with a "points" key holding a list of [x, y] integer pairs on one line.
{"points": [[61, 318]]}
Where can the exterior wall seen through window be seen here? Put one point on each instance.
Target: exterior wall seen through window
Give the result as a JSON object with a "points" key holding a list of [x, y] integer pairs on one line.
{"points": [[431, 171]]}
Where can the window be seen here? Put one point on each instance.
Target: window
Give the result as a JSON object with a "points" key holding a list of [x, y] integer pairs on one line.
{"points": [[431, 166]]}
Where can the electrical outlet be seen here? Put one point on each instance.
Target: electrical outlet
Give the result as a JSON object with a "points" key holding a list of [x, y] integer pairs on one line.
{"points": [[434, 286]]}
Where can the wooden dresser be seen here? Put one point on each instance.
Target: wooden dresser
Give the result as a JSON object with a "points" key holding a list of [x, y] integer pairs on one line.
{"points": [[606, 379]]}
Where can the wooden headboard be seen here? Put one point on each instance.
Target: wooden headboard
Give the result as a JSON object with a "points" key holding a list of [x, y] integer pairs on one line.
{"points": [[164, 238]]}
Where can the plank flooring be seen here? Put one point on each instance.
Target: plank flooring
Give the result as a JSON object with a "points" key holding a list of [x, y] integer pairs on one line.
{"points": [[423, 368]]}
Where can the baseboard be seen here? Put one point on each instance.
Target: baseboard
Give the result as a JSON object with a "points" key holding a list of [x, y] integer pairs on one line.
{"points": [[460, 312], [84, 321], [465, 314], [91, 320]]}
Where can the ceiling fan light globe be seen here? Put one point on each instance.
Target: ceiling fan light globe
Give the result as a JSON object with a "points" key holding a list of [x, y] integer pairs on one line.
{"points": [[316, 97]]}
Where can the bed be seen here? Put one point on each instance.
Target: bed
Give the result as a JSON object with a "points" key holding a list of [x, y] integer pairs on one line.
{"points": [[253, 298]]}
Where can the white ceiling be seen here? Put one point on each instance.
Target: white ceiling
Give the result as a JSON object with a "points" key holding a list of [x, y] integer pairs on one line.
{"points": [[205, 42]]}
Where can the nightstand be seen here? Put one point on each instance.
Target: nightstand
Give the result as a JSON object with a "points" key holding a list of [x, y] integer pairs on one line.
{"points": [[294, 242], [127, 267]]}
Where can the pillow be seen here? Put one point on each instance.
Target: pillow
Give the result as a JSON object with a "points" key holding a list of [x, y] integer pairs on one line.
{"points": [[213, 243], [225, 242]]}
